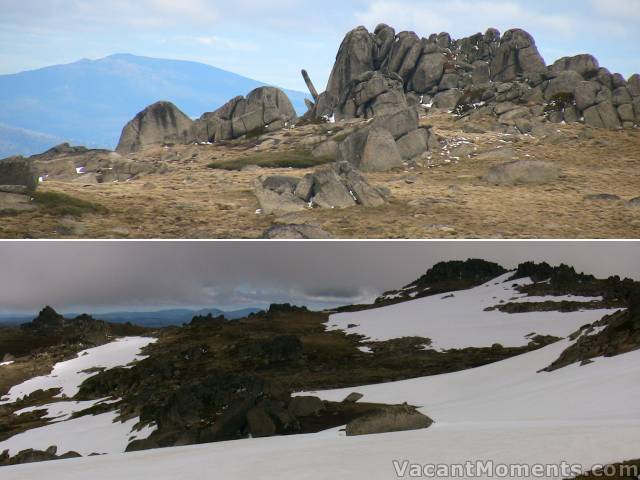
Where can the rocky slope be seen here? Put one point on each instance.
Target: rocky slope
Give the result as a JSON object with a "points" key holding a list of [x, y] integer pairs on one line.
{"points": [[215, 379]]}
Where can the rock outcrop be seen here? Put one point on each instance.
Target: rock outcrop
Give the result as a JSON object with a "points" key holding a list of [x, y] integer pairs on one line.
{"points": [[338, 185], [264, 109], [480, 72], [387, 142], [389, 419], [79, 164], [18, 180], [158, 124]]}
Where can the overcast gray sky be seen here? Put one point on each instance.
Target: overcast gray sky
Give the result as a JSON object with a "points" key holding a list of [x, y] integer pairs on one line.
{"points": [[100, 276]]}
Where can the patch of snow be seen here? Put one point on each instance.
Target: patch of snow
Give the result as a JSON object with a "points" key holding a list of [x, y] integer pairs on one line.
{"points": [[80, 170], [462, 321], [2, 364], [365, 349], [504, 412], [88, 434], [68, 375]]}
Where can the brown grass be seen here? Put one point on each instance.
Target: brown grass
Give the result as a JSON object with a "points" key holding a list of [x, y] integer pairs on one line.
{"points": [[194, 201]]}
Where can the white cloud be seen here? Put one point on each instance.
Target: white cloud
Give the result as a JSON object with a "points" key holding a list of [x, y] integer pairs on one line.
{"points": [[228, 43], [462, 17], [622, 9]]}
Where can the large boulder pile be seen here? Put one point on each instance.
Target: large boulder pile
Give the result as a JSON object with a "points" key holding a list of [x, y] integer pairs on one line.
{"points": [[264, 109], [337, 185], [387, 142], [18, 180], [480, 72], [159, 123]]}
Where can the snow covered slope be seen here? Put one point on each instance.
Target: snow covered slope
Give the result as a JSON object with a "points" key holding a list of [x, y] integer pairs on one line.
{"points": [[70, 374], [87, 434], [505, 412], [458, 319]]}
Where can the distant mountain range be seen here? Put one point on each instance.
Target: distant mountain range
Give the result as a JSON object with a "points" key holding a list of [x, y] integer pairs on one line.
{"points": [[89, 101], [161, 318]]}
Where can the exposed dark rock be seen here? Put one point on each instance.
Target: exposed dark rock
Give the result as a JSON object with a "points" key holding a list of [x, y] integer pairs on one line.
{"points": [[443, 70], [620, 333], [586, 65], [158, 124], [18, 172], [390, 419], [338, 185], [30, 455], [353, 397], [305, 406], [264, 109]]}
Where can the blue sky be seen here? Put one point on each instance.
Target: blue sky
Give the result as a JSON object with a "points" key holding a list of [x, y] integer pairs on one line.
{"points": [[272, 40]]}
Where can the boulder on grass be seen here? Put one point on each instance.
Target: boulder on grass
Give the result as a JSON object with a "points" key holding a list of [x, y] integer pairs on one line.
{"points": [[522, 172], [159, 123]]}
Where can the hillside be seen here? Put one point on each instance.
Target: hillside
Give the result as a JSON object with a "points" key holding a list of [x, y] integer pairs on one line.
{"points": [[89, 101], [503, 360]]}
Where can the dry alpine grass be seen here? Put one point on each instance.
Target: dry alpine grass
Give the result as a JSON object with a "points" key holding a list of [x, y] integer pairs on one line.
{"points": [[445, 200]]}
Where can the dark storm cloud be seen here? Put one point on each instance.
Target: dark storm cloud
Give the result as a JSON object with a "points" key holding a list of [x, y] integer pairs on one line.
{"points": [[108, 275]]}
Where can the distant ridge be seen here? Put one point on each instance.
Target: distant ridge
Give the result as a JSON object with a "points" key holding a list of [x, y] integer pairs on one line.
{"points": [[89, 101], [160, 318]]}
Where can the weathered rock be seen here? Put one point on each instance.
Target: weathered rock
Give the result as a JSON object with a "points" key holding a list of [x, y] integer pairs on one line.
{"points": [[365, 194], [626, 113], [17, 172], [260, 423], [510, 117], [305, 406], [517, 54], [413, 144], [371, 149], [603, 115], [384, 37], [522, 172], [404, 54], [353, 397], [329, 191], [447, 99], [389, 419], [634, 202], [565, 83], [273, 201], [429, 72], [620, 96], [399, 123], [159, 123], [372, 94], [295, 232], [633, 84], [355, 57], [264, 109], [586, 65], [585, 94]]}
